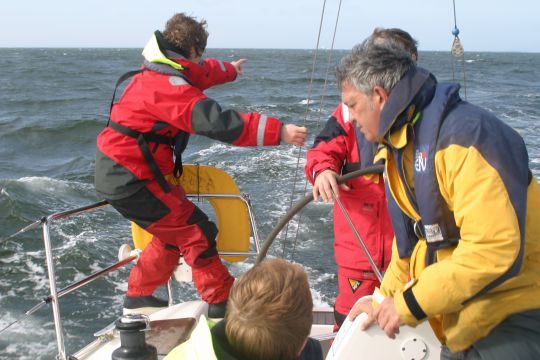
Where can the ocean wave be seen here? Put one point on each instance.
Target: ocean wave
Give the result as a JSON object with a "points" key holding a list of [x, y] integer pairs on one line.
{"points": [[55, 128], [28, 343], [43, 184]]}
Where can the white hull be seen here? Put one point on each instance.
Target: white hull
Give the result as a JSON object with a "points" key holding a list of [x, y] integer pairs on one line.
{"points": [[350, 343], [164, 339]]}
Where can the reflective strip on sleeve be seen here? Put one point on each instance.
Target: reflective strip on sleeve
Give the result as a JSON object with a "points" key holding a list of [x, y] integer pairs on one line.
{"points": [[177, 81], [222, 66], [260, 130]]}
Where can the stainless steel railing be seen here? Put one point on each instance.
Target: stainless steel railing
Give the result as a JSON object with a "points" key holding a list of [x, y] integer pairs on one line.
{"points": [[55, 294]]}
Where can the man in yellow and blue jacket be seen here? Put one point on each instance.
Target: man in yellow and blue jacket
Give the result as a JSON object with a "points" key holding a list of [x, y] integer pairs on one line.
{"points": [[466, 252]]}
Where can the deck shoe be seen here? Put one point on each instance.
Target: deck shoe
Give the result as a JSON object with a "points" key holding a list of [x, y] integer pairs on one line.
{"points": [[143, 304], [217, 311]]}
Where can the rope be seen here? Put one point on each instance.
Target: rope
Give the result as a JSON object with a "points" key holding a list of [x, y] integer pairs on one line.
{"points": [[305, 122], [358, 238], [321, 105], [458, 52]]}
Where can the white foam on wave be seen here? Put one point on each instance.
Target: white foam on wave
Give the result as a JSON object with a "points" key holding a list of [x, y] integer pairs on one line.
{"points": [[35, 273], [285, 156], [119, 285], [216, 148], [14, 258], [32, 266], [52, 185], [9, 293], [72, 240], [316, 279], [31, 344], [238, 268], [28, 326], [40, 180]]}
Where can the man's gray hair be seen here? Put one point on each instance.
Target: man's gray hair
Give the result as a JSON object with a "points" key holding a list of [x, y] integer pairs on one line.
{"points": [[374, 63]]}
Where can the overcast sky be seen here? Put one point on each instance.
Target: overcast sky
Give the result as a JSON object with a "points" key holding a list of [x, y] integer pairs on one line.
{"points": [[485, 25]]}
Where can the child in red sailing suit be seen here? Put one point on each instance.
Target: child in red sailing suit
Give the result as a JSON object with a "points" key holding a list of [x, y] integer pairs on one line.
{"points": [[160, 107], [340, 149]]}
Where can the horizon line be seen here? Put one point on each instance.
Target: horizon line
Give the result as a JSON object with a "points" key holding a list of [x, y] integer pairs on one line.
{"points": [[248, 48]]}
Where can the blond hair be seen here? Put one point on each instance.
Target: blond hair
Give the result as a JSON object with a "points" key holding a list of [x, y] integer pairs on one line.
{"points": [[269, 313]]}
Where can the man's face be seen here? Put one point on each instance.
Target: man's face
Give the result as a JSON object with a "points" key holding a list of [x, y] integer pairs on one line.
{"points": [[364, 110]]}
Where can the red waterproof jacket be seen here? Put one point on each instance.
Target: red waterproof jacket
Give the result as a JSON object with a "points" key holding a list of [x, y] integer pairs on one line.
{"points": [[339, 147], [169, 102]]}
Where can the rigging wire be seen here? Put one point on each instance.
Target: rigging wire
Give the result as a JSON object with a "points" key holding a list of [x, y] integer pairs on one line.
{"points": [[299, 205], [310, 87], [321, 108], [458, 52]]}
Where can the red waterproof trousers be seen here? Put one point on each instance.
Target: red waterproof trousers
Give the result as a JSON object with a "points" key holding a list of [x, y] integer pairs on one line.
{"points": [[184, 229]]}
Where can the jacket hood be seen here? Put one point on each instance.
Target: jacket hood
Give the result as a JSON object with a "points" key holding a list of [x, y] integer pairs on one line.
{"points": [[410, 95], [156, 49]]}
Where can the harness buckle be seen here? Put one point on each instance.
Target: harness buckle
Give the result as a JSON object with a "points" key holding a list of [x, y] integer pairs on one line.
{"points": [[417, 227]]}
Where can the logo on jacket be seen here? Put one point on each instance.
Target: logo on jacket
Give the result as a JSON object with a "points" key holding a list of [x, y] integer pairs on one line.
{"points": [[420, 158], [355, 284], [433, 233]]}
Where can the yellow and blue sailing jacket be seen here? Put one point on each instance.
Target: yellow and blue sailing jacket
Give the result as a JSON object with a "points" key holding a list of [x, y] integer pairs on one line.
{"points": [[466, 253]]}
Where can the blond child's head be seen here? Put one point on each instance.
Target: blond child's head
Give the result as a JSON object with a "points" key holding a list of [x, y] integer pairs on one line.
{"points": [[269, 313]]}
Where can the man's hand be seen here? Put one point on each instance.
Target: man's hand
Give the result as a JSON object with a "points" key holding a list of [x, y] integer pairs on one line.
{"points": [[237, 64], [388, 318], [363, 307], [293, 135], [325, 183]]}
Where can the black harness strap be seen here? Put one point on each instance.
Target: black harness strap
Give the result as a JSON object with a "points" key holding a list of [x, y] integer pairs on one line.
{"points": [[142, 142], [120, 80], [178, 143], [142, 138]]}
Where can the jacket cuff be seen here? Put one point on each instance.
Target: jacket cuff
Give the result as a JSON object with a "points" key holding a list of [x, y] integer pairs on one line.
{"points": [[324, 166], [272, 131], [407, 307], [231, 71]]}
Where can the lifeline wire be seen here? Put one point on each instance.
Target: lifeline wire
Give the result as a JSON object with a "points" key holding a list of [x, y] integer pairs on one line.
{"points": [[32, 226], [321, 104], [68, 289], [305, 122]]}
